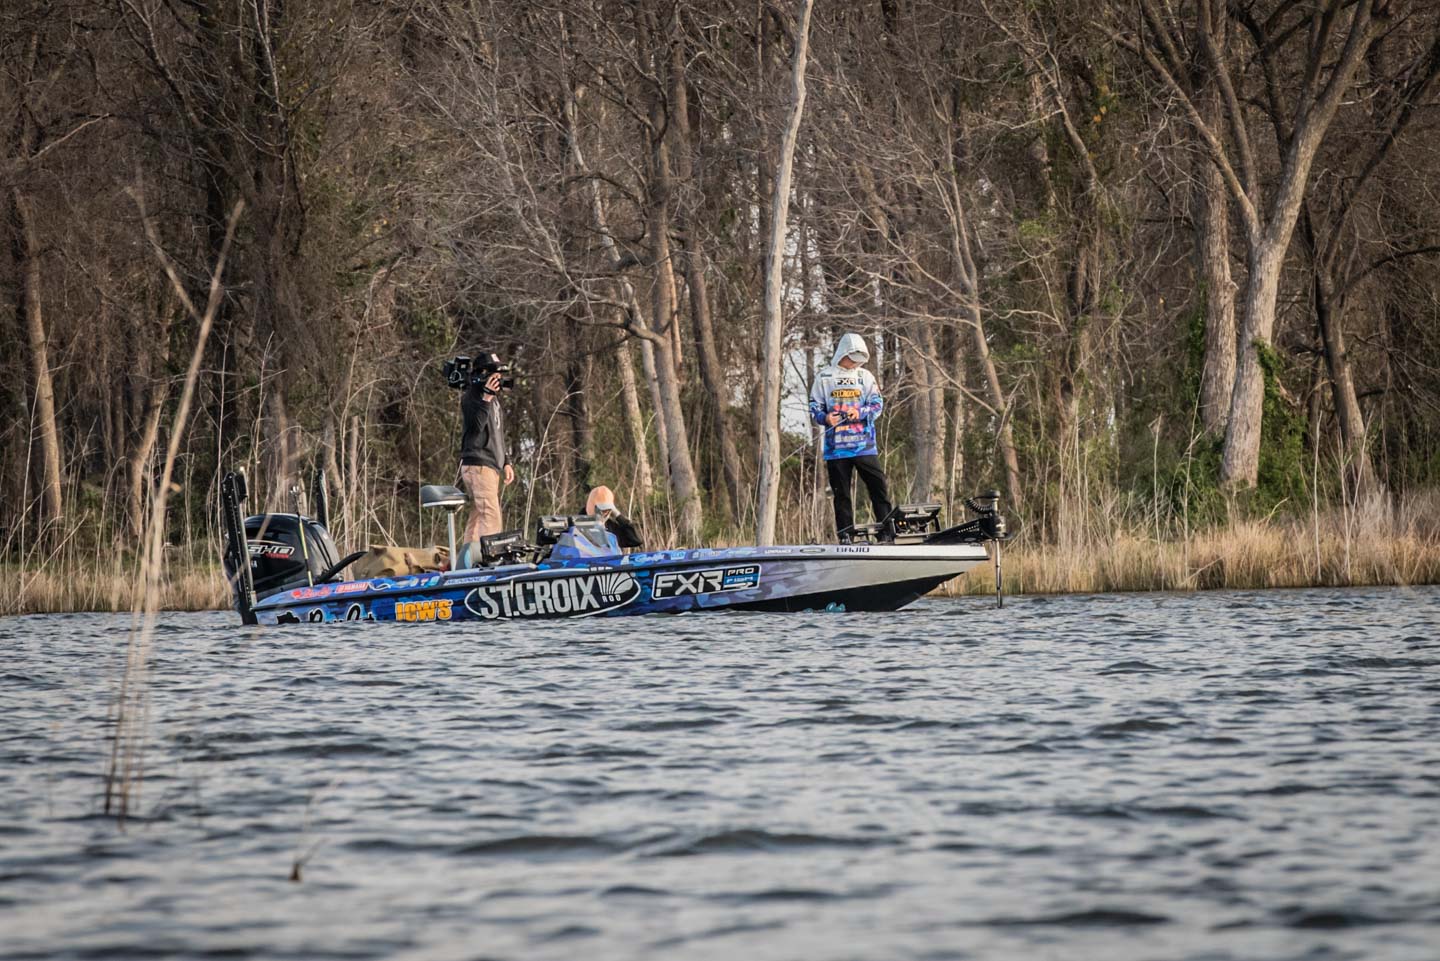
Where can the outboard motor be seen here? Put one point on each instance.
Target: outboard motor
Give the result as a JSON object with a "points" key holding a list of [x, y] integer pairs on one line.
{"points": [[286, 550], [280, 551]]}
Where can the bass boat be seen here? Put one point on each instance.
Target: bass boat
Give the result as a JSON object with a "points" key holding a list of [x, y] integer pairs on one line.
{"points": [[285, 569]]}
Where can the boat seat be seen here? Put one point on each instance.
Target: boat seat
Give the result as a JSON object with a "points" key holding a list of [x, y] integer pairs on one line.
{"points": [[441, 495]]}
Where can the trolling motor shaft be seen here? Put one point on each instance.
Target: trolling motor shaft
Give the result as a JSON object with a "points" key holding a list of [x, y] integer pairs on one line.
{"points": [[992, 522], [987, 527]]}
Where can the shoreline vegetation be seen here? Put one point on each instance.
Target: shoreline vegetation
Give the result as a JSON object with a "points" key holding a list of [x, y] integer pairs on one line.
{"points": [[1191, 353], [1363, 547]]}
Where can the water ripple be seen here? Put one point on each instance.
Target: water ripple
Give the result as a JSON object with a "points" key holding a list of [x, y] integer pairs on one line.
{"points": [[1194, 778]]}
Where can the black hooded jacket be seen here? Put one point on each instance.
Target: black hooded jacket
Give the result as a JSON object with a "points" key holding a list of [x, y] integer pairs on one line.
{"points": [[482, 443]]}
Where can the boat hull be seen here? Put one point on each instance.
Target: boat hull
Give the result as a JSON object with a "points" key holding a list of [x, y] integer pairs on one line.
{"points": [[848, 578]]}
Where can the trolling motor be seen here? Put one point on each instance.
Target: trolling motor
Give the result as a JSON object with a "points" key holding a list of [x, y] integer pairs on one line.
{"points": [[988, 526]]}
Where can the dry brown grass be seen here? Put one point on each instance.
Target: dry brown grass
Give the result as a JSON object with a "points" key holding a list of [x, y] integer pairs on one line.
{"points": [[79, 576], [55, 592], [1374, 544]]}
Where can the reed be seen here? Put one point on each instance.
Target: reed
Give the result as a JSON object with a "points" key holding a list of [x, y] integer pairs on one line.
{"points": [[1360, 546], [74, 587], [130, 711]]}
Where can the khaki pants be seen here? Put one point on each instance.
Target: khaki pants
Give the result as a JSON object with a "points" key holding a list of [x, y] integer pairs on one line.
{"points": [[483, 486]]}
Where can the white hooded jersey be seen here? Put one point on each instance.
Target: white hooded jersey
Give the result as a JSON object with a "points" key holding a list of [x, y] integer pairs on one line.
{"points": [[853, 392]]}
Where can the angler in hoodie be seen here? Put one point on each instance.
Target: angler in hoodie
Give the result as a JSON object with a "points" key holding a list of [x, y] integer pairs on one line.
{"points": [[846, 401]]}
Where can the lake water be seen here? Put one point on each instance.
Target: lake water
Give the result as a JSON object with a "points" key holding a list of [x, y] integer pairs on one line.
{"points": [[1225, 775]]}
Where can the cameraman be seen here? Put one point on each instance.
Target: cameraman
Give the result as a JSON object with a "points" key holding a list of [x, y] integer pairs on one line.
{"points": [[482, 446]]}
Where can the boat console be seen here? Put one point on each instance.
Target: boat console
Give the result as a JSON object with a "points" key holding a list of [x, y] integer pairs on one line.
{"points": [[557, 536]]}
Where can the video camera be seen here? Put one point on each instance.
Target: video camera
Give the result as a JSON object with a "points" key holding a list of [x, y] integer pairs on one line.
{"points": [[463, 371]]}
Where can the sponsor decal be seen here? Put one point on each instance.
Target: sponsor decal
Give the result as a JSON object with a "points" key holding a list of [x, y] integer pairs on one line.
{"points": [[311, 593], [316, 615], [701, 552], [436, 610], [656, 557], [352, 587], [356, 612], [413, 581], [286, 617], [712, 581], [466, 581], [269, 549], [554, 597], [851, 550]]}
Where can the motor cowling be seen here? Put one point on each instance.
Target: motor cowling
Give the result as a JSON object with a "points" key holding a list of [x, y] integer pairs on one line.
{"points": [[281, 548]]}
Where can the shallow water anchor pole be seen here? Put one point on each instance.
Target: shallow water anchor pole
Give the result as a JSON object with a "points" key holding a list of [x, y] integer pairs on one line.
{"points": [[233, 493]]}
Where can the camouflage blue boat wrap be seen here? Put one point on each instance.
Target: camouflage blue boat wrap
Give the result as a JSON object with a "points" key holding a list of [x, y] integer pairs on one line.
{"points": [[843, 577]]}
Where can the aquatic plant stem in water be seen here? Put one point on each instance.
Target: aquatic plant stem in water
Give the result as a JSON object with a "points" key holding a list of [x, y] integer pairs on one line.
{"points": [[125, 768]]}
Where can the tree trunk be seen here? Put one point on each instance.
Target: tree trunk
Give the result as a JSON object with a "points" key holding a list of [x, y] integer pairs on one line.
{"points": [[138, 467], [959, 418], [334, 480], [357, 521], [682, 472], [577, 378], [1240, 461], [651, 370], [1269, 239], [634, 419], [922, 440], [1005, 437], [666, 370], [29, 307], [281, 460], [965, 254], [1210, 203], [712, 375], [1212, 265], [938, 420], [773, 359], [1329, 318], [927, 415], [1070, 366]]}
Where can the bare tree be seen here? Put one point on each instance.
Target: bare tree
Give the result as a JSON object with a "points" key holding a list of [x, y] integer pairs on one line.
{"points": [[26, 248], [772, 356], [1268, 217]]}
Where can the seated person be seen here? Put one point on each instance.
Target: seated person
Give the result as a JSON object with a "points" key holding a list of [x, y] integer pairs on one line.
{"points": [[601, 502]]}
